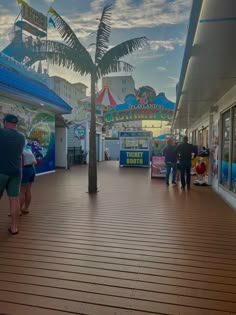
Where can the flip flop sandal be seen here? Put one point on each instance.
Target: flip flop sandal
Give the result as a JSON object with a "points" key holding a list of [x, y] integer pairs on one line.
{"points": [[10, 214], [24, 211], [13, 233]]}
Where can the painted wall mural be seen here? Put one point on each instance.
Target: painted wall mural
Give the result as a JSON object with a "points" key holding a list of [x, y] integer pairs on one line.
{"points": [[38, 127], [143, 105]]}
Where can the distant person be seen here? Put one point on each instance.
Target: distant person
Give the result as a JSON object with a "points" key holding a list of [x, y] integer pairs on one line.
{"points": [[169, 153], [28, 176], [177, 164], [38, 44], [12, 143], [185, 151]]}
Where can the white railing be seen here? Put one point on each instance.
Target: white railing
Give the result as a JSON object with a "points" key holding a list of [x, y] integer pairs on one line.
{"points": [[10, 61]]}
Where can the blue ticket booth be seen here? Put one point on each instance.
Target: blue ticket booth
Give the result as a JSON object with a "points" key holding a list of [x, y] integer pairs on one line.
{"points": [[135, 147]]}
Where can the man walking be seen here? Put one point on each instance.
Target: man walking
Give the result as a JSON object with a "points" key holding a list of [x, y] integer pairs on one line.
{"points": [[185, 151], [12, 143], [169, 153]]}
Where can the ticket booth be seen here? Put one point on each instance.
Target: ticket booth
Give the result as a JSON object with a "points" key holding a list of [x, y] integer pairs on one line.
{"points": [[135, 147]]}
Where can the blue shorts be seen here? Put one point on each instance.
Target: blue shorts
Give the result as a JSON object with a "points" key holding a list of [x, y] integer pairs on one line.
{"points": [[28, 175]]}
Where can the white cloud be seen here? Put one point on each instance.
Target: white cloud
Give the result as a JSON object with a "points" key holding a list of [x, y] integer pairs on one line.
{"points": [[161, 69], [49, 1], [5, 29], [126, 16], [167, 45]]}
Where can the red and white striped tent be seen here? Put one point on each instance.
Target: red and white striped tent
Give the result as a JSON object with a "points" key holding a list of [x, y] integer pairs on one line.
{"points": [[107, 98]]}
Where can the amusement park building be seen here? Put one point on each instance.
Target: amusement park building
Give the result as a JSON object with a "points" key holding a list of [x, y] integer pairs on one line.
{"points": [[71, 93], [39, 111], [206, 93], [121, 86]]}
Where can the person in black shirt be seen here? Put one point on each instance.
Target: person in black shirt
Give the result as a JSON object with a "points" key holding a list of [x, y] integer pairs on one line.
{"points": [[185, 151], [12, 143]]}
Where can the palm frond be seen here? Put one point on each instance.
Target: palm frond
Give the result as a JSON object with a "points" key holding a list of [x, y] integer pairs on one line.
{"points": [[67, 33], [114, 66], [103, 33], [64, 29], [123, 49], [63, 55]]}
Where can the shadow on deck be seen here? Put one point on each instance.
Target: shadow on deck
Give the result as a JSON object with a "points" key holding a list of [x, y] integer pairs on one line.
{"points": [[137, 247]]}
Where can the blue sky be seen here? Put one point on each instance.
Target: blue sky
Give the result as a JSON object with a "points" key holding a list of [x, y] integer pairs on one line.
{"points": [[164, 22]]}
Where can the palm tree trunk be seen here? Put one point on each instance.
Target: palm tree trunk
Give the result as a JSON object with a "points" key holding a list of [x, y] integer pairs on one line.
{"points": [[92, 171]]}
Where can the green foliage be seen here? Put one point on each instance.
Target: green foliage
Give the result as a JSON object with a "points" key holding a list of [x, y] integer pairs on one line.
{"points": [[73, 55], [103, 34]]}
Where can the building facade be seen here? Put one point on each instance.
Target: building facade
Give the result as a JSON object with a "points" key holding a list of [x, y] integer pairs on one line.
{"points": [[206, 94], [71, 93]]}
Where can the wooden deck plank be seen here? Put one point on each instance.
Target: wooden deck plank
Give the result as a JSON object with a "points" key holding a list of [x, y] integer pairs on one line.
{"points": [[149, 268], [71, 301], [122, 260], [225, 302], [135, 248]]}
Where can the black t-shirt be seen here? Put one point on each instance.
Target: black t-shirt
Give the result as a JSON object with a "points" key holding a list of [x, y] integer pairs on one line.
{"points": [[185, 150], [12, 143]]}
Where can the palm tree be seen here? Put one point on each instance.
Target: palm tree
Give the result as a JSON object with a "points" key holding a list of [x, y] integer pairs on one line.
{"points": [[73, 55]]}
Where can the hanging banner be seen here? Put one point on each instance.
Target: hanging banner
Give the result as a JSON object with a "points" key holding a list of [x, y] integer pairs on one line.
{"points": [[34, 17]]}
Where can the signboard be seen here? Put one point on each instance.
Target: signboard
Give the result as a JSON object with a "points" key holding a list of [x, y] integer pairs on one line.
{"points": [[140, 134], [134, 158], [133, 114], [158, 167], [36, 18], [79, 131], [145, 104]]}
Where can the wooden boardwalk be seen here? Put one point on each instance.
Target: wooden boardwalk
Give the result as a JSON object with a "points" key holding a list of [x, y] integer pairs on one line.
{"points": [[136, 248]]}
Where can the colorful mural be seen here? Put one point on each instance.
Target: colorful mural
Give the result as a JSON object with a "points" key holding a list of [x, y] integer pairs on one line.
{"points": [[214, 149], [38, 127], [41, 141], [143, 105]]}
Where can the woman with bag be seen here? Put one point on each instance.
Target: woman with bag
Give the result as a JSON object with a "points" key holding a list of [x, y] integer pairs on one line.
{"points": [[28, 175]]}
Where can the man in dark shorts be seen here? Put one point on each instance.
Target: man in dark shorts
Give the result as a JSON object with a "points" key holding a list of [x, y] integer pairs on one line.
{"points": [[12, 143]]}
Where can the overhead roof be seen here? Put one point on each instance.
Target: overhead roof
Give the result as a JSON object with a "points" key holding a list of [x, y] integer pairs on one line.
{"points": [[16, 84], [209, 64]]}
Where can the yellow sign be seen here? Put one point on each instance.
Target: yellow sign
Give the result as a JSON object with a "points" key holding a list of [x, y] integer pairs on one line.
{"points": [[31, 15], [134, 158]]}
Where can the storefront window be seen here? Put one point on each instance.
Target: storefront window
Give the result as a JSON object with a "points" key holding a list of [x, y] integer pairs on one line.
{"points": [[233, 169], [225, 149]]}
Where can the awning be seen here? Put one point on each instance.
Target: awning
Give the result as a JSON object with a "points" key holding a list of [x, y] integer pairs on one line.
{"points": [[13, 83], [209, 65]]}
